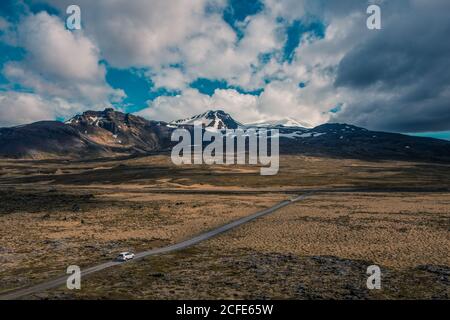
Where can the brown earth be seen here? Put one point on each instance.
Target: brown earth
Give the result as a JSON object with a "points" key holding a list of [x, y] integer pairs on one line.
{"points": [[57, 213]]}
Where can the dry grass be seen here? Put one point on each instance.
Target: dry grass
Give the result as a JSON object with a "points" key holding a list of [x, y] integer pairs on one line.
{"points": [[156, 172], [394, 230], [317, 249], [38, 244], [57, 213]]}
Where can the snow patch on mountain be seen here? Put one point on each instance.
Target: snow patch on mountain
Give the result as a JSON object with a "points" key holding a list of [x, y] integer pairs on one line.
{"points": [[285, 123], [216, 119]]}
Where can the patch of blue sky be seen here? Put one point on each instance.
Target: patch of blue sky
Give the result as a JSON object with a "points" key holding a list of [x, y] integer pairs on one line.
{"points": [[178, 65], [337, 108], [208, 86], [11, 10], [36, 7], [20, 88], [298, 29], [8, 54], [444, 135], [275, 77], [3, 80], [6, 85], [237, 10], [264, 58], [138, 87]]}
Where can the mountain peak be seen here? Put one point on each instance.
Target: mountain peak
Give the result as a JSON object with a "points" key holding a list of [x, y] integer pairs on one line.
{"points": [[283, 122], [216, 111], [217, 119], [92, 117]]}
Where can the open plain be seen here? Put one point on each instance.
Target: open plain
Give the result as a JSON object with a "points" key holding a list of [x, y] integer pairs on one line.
{"points": [[390, 213]]}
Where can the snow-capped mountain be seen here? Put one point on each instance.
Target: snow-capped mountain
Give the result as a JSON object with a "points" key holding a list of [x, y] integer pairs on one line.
{"points": [[107, 133], [216, 119], [283, 123]]}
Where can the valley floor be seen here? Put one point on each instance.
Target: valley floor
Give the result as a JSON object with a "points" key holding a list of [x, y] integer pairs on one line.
{"points": [[55, 214]]}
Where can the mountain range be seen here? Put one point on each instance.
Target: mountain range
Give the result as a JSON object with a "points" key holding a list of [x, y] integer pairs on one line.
{"points": [[109, 133]]}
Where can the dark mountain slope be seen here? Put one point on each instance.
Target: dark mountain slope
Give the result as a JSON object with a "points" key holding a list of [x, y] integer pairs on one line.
{"points": [[342, 140], [47, 139], [91, 134]]}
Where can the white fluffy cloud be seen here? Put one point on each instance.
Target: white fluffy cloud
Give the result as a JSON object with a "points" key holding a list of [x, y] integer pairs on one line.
{"points": [[191, 102], [146, 33], [158, 35], [280, 99], [313, 65], [58, 63], [19, 108], [60, 68]]}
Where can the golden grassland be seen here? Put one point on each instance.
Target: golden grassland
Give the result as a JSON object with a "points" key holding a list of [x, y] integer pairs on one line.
{"points": [[57, 213]]}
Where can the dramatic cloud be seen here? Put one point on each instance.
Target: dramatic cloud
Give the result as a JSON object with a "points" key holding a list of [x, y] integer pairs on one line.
{"points": [[59, 75], [58, 62], [399, 79], [311, 60], [148, 33], [193, 34]]}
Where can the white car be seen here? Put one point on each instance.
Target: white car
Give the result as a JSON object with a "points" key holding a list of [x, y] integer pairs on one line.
{"points": [[125, 256]]}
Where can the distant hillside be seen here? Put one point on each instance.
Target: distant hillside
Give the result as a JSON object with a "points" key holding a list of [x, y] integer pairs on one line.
{"points": [[343, 140], [109, 133]]}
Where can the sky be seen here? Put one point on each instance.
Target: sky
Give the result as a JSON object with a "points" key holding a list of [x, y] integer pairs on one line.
{"points": [[310, 60]]}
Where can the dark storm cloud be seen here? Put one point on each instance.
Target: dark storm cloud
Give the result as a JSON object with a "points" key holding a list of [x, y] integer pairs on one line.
{"points": [[398, 79]]}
